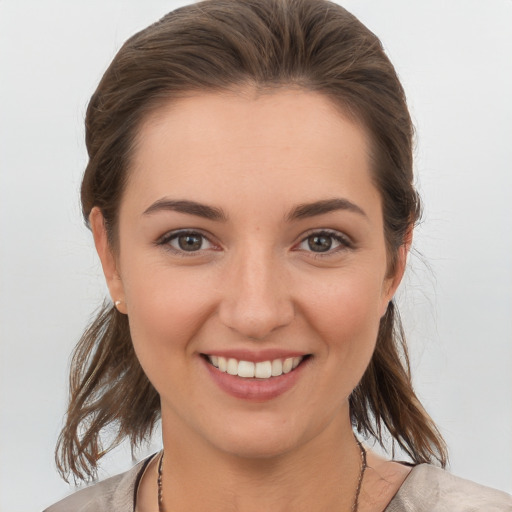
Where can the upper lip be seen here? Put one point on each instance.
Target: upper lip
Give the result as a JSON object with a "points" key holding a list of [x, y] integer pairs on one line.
{"points": [[256, 356]]}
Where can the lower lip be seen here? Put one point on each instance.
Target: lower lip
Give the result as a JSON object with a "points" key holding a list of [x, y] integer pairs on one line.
{"points": [[256, 390]]}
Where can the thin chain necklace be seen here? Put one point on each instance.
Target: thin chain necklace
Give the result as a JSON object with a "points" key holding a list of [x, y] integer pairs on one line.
{"points": [[355, 505]]}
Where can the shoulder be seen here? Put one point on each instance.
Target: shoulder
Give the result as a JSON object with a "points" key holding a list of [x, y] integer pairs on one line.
{"points": [[113, 494], [431, 489]]}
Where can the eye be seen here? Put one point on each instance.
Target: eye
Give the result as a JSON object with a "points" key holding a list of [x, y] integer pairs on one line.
{"points": [[185, 241], [324, 242]]}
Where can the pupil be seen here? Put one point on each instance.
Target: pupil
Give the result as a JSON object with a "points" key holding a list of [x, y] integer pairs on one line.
{"points": [[190, 242], [320, 243]]}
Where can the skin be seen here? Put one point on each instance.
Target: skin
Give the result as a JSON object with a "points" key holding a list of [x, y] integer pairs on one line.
{"points": [[255, 283]]}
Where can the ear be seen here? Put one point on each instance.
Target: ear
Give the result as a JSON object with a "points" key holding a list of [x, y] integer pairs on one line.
{"points": [[392, 282], [108, 259]]}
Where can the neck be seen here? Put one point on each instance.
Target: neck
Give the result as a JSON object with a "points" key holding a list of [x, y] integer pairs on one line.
{"points": [[320, 474]]}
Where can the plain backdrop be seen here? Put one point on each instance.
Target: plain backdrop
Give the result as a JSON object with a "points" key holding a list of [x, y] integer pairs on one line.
{"points": [[454, 58]]}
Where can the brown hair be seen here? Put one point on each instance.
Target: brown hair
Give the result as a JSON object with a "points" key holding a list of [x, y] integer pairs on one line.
{"points": [[219, 45]]}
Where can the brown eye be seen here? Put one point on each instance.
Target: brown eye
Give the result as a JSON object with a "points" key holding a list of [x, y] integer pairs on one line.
{"points": [[319, 243], [325, 242], [185, 242], [190, 242]]}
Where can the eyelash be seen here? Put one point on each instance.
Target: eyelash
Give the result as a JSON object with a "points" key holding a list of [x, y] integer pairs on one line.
{"points": [[343, 241], [166, 240]]}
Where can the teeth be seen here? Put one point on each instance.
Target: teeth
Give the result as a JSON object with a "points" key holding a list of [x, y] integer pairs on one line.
{"points": [[232, 367], [260, 370], [246, 369], [277, 367], [263, 370], [288, 365]]}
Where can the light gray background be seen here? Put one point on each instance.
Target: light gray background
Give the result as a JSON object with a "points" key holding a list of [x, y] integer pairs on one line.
{"points": [[454, 57]]}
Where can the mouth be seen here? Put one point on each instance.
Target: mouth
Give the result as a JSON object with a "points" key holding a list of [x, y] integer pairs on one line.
{"points": [[262, 370]]}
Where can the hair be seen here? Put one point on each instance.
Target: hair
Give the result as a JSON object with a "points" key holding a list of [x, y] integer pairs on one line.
{"points": [[221, 45]]}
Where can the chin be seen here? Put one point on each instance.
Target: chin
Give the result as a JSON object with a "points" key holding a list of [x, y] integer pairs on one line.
{"points": [[262, 447], [261, 437]]}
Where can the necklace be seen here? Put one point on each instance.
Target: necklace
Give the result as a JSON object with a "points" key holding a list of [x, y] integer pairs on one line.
{"points": [[355, 505]]}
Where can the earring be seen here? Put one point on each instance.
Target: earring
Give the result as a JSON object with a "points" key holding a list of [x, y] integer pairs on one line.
{"points": [[117, 303]]}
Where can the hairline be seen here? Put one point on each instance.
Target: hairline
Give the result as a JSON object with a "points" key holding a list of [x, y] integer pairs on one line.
{"points": [[162, 103]]}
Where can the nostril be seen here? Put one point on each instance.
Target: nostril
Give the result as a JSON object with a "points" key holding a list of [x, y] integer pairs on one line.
{"points": [[255, 321]]}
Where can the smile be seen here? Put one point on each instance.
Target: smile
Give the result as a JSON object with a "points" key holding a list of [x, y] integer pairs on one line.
{"points": [[259, 370]]}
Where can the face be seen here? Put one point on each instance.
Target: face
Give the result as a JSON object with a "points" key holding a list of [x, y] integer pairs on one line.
{"points": [[252, 267]]}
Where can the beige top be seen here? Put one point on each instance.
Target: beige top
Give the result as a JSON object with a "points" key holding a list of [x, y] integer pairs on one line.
{"points": [[426, 489]]}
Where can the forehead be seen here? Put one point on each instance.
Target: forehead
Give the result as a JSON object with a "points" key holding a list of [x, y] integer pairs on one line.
{"points": [[287, 144]]}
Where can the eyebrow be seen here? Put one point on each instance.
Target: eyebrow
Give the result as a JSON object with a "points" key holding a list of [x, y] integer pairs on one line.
{"points": [[307, 210], [190, 207], [302, 211]]}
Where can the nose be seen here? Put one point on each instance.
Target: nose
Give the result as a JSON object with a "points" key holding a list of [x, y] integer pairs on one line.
{"points": [[256, 296]]}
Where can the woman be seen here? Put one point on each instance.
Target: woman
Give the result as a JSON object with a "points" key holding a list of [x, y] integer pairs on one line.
{"points": [[249, 189]]}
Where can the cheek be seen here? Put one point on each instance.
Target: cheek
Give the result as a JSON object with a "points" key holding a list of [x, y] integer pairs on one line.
{"points": [[166, 308], [346, 314], [165, 312]]}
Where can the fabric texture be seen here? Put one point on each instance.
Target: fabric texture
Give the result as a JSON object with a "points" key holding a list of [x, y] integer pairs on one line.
{"points": [[431, 489], [426, 489]]}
